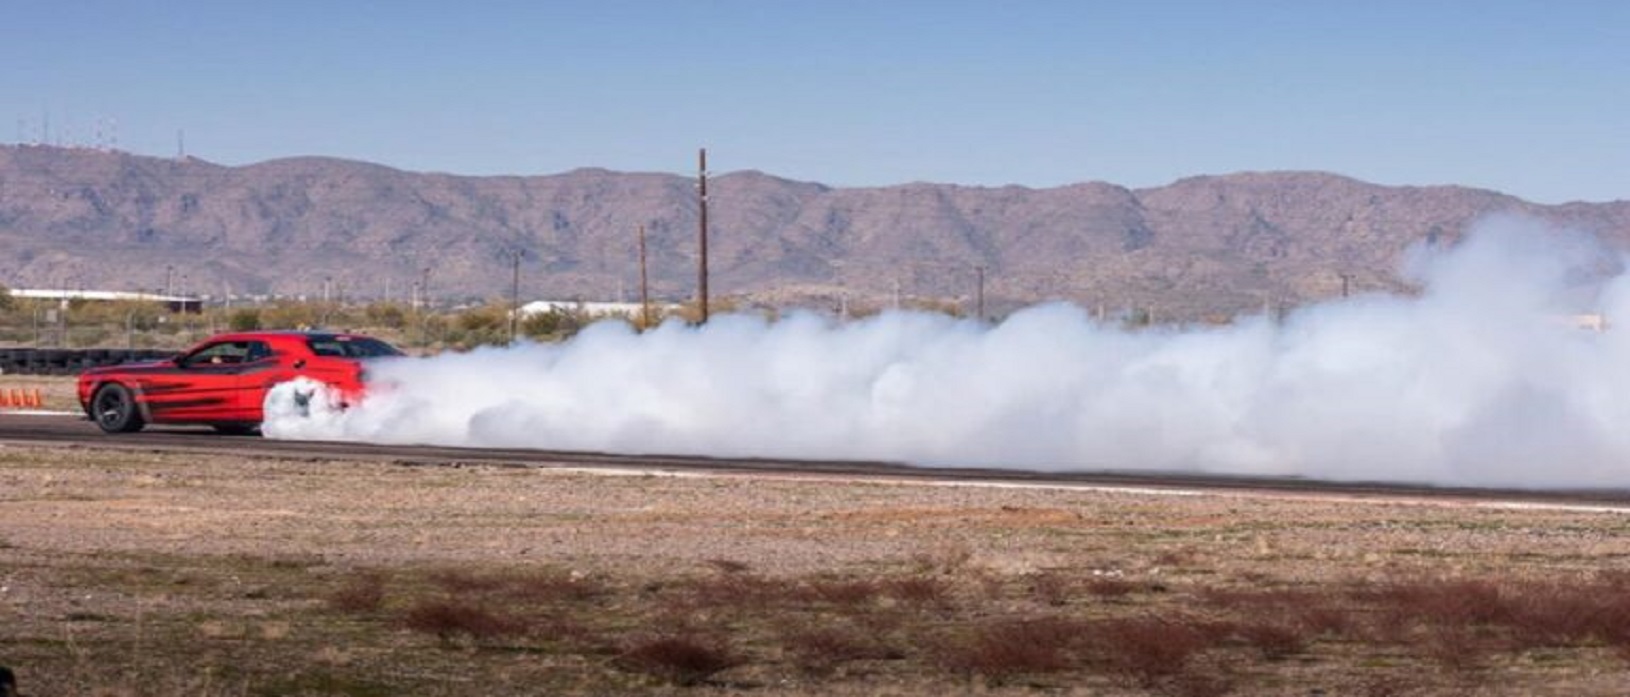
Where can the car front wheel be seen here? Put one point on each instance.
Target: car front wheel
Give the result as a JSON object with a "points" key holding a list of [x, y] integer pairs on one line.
{"points": [[114, 409]]}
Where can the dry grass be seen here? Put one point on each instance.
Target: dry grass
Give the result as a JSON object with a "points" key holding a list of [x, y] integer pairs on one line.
{"points": [[1094, 606], [1211, 641]]}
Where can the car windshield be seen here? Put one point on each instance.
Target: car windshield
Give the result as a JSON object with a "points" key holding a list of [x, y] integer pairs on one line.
{"points": [[350, 347]]}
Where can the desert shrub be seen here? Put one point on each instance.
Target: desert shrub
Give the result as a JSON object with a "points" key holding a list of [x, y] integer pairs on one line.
{"points": [[1275, 641], [1317, 612], [529, 586], [729, 566], [1049, 588], [554, 587], [945, 560], [461, 581], [449, 618], [385, 314], [552, 324], [733, 590], [244, 320], [1384, 685], [1323, 617], [1145, 650], [819, 650], [1455, 647], [361, 593], [1200, 679], [679, 660], [1000, 650], [1566, 613], [1443, 603], [289, 315], [1459, 622], [1106, 587], [1175, 557], [842, 593], [740, 591], [918, 590]]}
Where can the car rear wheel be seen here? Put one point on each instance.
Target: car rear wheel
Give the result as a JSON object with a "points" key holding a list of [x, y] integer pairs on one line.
{"points": [[114, 409]]}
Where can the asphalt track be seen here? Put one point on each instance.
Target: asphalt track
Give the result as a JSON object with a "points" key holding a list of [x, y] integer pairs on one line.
{"points": [[59, 430]]}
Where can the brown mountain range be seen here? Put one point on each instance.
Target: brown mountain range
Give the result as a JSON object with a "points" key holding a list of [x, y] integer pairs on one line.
{"points": [[1202, 246]]}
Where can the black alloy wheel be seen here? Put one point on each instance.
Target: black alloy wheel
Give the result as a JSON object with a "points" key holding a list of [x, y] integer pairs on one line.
{"points": [[114, 409]]}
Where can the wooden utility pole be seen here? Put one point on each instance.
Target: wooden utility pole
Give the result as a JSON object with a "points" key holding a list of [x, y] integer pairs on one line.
{"points": [[701, 233], [979, 295], [645, 286], [515, 294]]}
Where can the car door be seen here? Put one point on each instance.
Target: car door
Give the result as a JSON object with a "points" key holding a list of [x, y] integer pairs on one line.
{"points": [[263, 369], [205, 386]]}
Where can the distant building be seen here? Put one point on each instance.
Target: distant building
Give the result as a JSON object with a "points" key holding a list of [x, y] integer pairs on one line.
{"points": [[176, 303]]}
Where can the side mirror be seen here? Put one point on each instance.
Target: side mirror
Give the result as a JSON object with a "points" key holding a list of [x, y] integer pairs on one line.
{"points": [[299, 363]]}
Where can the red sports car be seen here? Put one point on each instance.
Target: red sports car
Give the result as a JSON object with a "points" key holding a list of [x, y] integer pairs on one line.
{"points": [[223, 381]]}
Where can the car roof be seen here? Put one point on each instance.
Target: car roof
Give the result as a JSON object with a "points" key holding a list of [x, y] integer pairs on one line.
{"points": [[282, 336]]}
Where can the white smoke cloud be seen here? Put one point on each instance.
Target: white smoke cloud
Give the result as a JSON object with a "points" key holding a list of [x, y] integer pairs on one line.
{"points": [[1478, 380]]}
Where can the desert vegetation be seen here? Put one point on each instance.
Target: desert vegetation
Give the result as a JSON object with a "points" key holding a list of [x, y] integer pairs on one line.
{"points": [[133, 324], [146, 574], [365, 631]]}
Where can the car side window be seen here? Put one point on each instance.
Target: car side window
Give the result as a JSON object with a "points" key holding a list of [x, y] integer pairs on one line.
{"points": [[224, 353], [258, 350], [351, 347], [327, 348]]}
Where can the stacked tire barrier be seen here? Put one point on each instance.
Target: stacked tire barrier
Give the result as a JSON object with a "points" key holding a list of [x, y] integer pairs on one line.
{"points": [[46, 361]]}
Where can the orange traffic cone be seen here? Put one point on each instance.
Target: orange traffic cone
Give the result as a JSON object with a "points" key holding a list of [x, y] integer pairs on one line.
{"points": [[36, 400], [5, 399]]}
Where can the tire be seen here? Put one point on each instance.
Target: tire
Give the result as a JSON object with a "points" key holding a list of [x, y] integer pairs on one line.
{"points": [[113, 408], [236, 429]]}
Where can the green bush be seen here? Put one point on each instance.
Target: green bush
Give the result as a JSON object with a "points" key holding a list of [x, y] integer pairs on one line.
{"points": [[244, 320]]}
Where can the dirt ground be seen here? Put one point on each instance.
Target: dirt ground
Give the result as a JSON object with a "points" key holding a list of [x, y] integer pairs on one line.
{"points": [[135, 574]]}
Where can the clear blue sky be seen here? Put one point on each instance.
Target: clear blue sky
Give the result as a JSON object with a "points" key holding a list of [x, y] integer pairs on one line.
{"points": [[1529, 98]]}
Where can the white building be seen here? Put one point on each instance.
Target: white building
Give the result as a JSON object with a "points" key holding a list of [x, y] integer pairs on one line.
{"points": [[176, 303]]}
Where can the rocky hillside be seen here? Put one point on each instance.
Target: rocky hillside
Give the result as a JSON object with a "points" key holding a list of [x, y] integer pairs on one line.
{"points": [[1199, 247]]}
